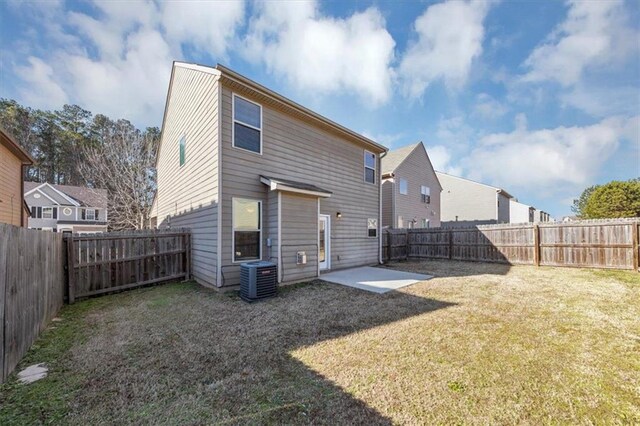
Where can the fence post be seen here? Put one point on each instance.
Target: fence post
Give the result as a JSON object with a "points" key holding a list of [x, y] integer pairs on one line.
{"points": [[450, 244], [71, 256], [408, 244], [634, 233], [536, 245]]}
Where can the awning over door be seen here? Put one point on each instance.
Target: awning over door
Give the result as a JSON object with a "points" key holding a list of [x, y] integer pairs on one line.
{"points": [[277, 184]]}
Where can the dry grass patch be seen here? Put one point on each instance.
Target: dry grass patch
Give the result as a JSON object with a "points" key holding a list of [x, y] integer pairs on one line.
{"points": [[478, 344]]}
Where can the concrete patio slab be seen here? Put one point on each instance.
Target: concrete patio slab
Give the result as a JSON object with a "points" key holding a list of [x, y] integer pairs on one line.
{"points": [[377, 280]]}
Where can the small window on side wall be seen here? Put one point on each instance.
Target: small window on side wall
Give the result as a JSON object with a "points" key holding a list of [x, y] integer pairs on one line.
{"points": [[183, 149], [247, 125], [372, 228], [369, 167], [404, 187], [425, 194]]}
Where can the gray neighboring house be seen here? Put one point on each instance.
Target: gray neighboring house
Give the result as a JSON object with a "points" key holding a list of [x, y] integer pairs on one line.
{"points": [[256, 176], [65, 208], [520, 212], [410, 189], [467, 203]]}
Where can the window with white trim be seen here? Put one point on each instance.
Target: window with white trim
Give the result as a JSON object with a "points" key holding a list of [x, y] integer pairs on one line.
{"points": [[89, 214], [247, 229], [47, 212], [182, 145], [247, 125], [425, 223], [404, 187], [369, 167], [372, 228], [400, 222], [425, 194]]}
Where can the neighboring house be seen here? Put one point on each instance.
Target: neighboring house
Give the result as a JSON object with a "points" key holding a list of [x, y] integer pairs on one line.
{"points": [[13, 160], [464, 202], [64, 208], [520, 212], [410, 189], [255, 175], [541, 216]]}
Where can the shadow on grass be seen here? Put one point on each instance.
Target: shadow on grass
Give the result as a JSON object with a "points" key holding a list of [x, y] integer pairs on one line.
{"points": [[449, 268], [181, 353]]}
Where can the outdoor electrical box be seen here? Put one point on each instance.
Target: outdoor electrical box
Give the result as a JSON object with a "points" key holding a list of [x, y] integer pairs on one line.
{"points": [[302, 258]]}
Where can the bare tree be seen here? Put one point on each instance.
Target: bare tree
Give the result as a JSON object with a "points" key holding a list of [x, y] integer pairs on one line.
{"points": [[123, 163]]}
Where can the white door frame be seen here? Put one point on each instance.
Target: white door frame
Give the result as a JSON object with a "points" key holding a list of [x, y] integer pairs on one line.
{"points": [[323, 266]]}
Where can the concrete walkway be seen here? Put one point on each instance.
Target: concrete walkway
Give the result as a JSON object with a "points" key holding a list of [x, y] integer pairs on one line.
{"points": [[377, 280]]}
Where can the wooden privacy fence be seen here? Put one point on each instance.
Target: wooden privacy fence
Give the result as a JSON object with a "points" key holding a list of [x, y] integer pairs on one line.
{"points": [[102, 263], [32, 286], [589, 244]]}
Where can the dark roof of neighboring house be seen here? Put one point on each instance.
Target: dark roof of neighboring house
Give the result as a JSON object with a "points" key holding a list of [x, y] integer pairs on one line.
{"points": [[86, 197], [297, 185], [12, 145], [394, 158]]}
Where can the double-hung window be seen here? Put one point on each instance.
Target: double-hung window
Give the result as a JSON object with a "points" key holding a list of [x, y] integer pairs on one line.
{"points": [[425, 194], [90, 214], [247, 229], [49, 213], [247, 125], [369, 167]]}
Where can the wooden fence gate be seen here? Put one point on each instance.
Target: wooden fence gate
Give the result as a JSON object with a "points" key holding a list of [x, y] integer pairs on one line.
{"points": [[102, 263]]}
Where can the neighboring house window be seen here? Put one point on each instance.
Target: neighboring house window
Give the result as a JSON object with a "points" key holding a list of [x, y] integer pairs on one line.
{"points": [[247, 125], [183, 147], [425, 223], [372, 227], [67, 211], [400, 222], [404, 187], [369, 167], [48, 213], [425, 194], [247, 229], [89, 214]]}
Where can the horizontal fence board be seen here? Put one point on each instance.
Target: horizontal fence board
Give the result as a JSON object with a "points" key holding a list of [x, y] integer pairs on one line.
{"points": [[588, 244]]}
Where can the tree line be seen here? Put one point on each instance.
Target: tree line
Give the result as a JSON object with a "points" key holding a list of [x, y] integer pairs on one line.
{"points": [[72, 146], [612, 200]]}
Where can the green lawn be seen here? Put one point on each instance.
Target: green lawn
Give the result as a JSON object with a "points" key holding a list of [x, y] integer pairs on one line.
{"points": [[479, 344]]}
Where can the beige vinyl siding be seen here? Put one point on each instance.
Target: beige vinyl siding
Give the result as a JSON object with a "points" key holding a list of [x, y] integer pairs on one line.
{"points": [[296, 150], [270, 228], [519, 212], [471, 202], [416, 169], [299, 233], [188, 194], [10, 187], [387, 203]]}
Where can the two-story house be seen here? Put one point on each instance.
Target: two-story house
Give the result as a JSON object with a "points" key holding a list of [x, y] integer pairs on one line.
{"points": [[13, 160], [467, 203], [520, 212], [65, 208], [256, 176], [410, 189]]}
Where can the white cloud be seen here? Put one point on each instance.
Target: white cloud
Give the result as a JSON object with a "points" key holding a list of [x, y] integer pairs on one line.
{"points": [[594, 33], [442, 160], [119, 61], [40, 89], [488, 107], [324, 54], [449, 38], [598, 100], [548, 159], [211, 26]]}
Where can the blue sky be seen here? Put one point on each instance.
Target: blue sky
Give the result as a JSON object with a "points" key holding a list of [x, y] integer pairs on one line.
{"points": [[539, 98]]}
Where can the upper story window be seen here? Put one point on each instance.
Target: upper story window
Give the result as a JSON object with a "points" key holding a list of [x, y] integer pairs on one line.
{"points": [[183, 149], [404, 187], [425, 194], [47, 212], [44, 212], [89, 214], [247, 125], [369, 167]]}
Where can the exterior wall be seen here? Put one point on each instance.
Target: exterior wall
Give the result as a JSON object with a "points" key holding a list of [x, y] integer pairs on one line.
{"points": [[519, 213], [10, 187], [388, 192], [187, 195], [416, 169], [297, 150], [466, 201], [503, 209], [299, 233], [271, 226]]}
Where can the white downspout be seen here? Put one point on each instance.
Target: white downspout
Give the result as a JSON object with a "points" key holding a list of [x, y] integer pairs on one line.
{"points": [[380, 260]]}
